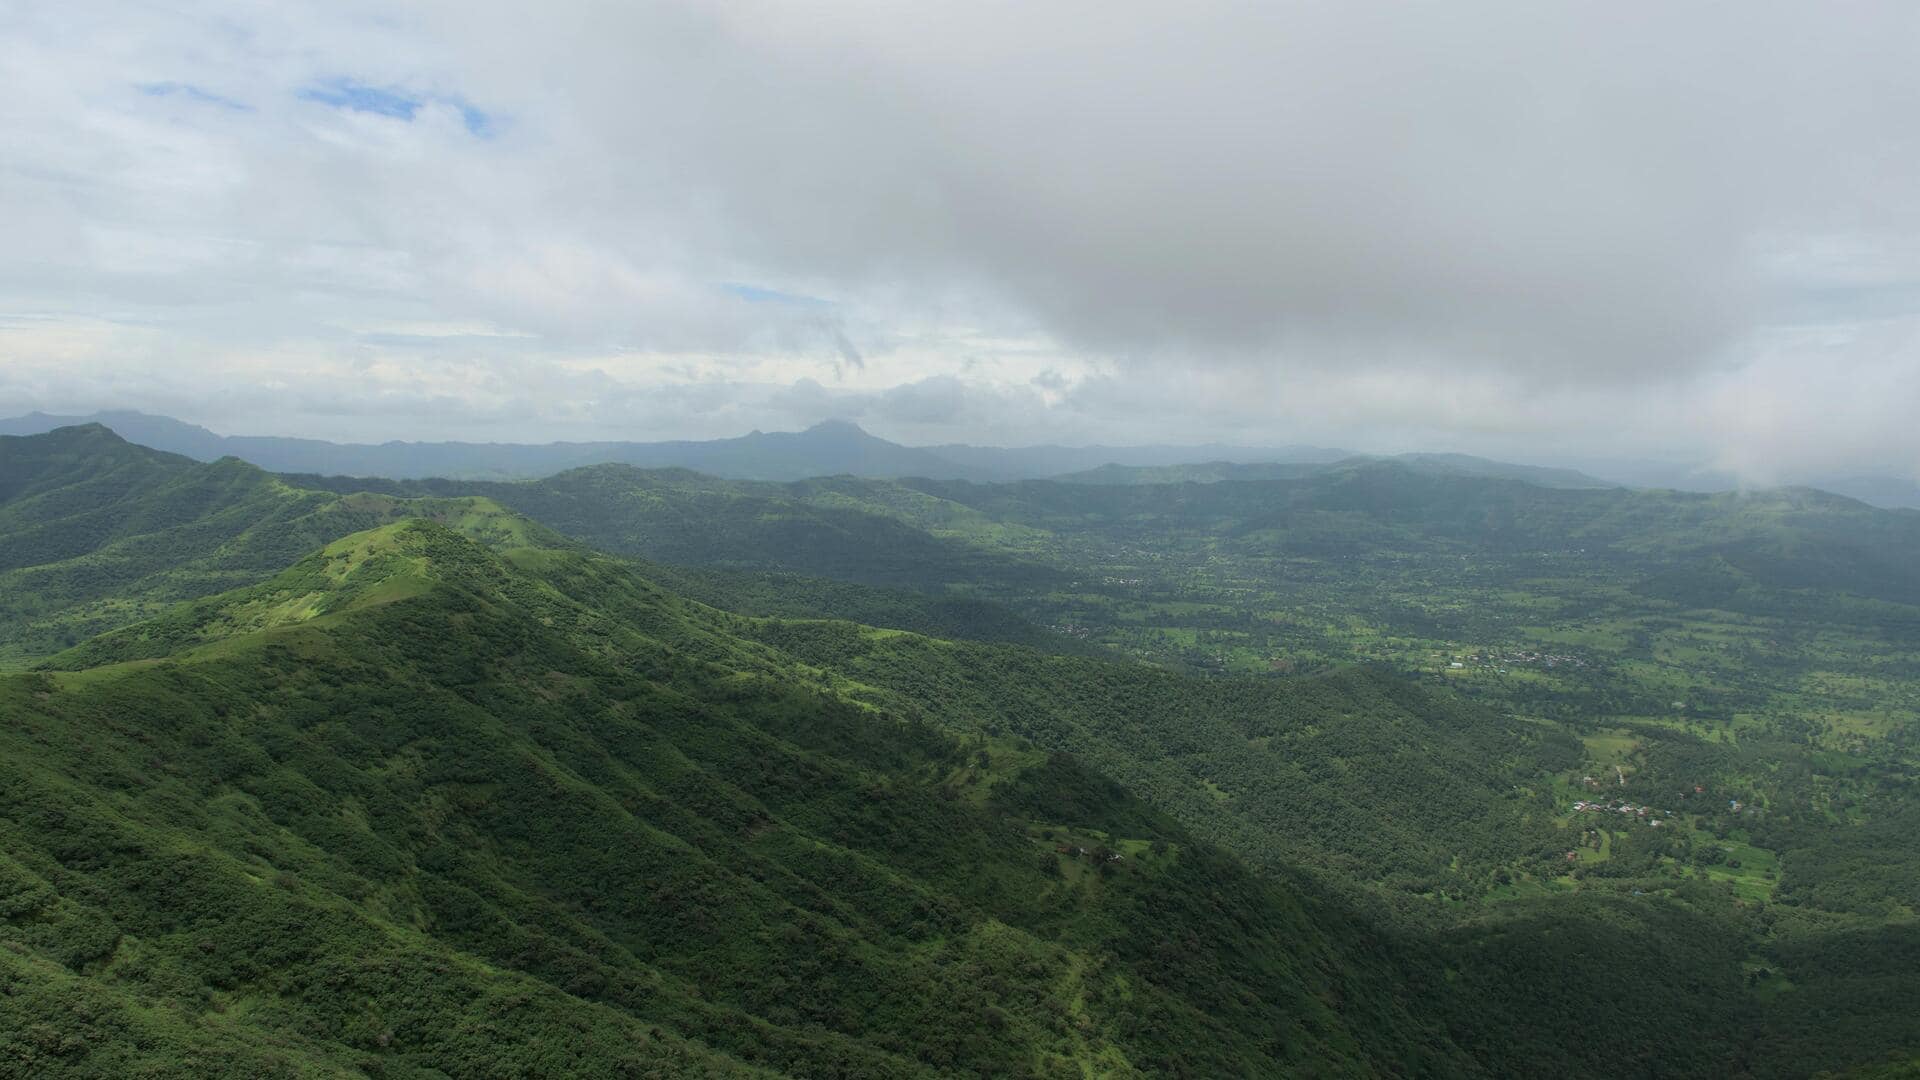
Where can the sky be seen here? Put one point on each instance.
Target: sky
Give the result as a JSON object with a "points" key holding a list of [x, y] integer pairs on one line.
{"points": [[1537, 229]]}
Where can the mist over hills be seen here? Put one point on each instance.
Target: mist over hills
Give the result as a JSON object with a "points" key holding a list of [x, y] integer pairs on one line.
{"points": [[838, 447], [826, 449], [829, 448], [1429, 464]]}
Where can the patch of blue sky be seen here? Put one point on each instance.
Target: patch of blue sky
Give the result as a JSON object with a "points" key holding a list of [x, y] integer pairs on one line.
{"points": [[479, 124], [355, 97], [192, 93], [755, 294], [344, 93]]}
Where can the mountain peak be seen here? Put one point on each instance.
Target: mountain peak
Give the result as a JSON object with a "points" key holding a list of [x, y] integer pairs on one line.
{"points": [[364, 569], [89, 433], [92, 431], [838, 427]]}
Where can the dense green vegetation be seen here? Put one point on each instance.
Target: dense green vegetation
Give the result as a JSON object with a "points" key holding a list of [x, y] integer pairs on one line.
{"points": [[96, 533], [411, 803], [315, 779]]}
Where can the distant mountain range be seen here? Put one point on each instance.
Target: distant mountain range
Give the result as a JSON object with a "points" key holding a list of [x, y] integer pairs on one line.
{"points": [[837, 447], [823, 450], [831, 448]]}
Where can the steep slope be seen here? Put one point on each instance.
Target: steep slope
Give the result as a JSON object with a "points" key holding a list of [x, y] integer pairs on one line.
{"points": [[96, 532], [419, 806]]}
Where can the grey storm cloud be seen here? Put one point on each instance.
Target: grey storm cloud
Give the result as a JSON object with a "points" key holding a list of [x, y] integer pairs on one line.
{"points": [[1579, 191]]}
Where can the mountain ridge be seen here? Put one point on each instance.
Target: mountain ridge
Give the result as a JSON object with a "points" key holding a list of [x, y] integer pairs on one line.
{"points": [[372, 768], [828, 448]]}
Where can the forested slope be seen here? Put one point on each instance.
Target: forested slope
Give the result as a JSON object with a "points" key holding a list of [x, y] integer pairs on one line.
{"points": [[403, 781], [1357, 771], [416, 806], [96, 532]]}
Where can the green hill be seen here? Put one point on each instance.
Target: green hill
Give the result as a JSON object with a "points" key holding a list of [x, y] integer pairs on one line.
{"points": [[96, 533], [416, 807], [403, 782], [870, 532], [1751, 549]]}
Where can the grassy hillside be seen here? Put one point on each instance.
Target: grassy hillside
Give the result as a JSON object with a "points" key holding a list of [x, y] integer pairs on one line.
{"points": [[1742, 666], [415, 805], [1703, 613], [870, 532], [96, 533]]}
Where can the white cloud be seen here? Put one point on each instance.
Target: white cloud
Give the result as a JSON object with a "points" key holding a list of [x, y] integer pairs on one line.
{"points": [[1534, 229]]}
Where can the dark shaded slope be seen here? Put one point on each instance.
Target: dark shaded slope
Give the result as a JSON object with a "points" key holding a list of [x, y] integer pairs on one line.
{"points": [[1788, 539], [1358, 772]]}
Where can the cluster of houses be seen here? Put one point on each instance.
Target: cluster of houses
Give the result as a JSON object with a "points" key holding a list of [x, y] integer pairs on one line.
{"points": [[1529, 656], [1634, 813], [1499, 661]]}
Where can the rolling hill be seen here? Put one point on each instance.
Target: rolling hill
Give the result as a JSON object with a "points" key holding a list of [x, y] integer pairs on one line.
{"points": [[96, 532], [417, 805], [405, 782]]}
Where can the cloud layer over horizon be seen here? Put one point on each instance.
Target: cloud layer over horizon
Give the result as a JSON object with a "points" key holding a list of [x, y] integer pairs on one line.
{"points": [[1537, 230]]}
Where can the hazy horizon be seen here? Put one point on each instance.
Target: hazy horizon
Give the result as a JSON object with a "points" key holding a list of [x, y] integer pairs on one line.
{"points": [[1882, 489]]}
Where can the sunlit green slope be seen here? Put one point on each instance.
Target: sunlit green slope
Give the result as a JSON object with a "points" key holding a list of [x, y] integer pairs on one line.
{"points": [[96, 533]]}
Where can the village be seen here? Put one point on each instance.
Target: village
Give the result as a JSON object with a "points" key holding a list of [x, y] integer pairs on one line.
{"points": [[1520, 657], [1617, 806]]}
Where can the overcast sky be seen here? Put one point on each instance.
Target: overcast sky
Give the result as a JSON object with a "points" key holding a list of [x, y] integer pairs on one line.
{"points": [[1535, 229]]}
